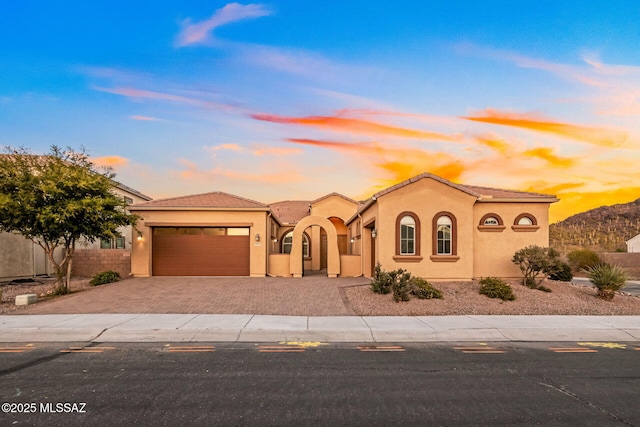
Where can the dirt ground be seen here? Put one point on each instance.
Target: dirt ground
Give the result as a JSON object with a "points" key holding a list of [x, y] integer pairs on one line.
{"points": [[41, 286]]}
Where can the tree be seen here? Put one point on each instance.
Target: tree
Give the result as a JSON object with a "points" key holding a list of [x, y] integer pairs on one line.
{"points": [[535, 260], [57, 199]]}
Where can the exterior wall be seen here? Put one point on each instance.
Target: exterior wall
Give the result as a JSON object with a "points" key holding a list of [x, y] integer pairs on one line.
{"points": [[89, 262], [629, 261], [141, 254], [279, 265], [16, 256], [126, 232], [365, 242], [426, 198], [633, 244], [493, 250], [335, 206], [350, 266]]}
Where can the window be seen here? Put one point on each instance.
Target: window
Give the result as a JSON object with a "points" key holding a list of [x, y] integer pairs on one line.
{"points": [[407, 237], [525, 220], [444, 235], [491, 221], [116, 242], [287, 243]]}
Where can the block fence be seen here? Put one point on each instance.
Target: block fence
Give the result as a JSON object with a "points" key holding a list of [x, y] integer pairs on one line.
{"points": [[89, 262]]}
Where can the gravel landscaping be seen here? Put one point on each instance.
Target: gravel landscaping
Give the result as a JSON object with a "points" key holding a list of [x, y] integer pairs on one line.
{"points": [[463, 298]]}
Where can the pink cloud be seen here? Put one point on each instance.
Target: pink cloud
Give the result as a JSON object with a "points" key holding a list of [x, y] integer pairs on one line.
{"points": [[144, 118], [198, 32], [138, 94]]}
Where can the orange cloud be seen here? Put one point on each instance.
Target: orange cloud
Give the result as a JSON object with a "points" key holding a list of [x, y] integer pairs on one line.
{"points": [[547, 154], [597, 136], [110, 161], [493, 143], [275, 151], [355, 126], [572, 202]]}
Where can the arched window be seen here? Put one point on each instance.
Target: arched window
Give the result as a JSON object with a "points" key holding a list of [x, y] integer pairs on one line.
{"points": [[444, 231], [407, 234], [444, 237], [287, 243], [491, 222], [525, 220]]}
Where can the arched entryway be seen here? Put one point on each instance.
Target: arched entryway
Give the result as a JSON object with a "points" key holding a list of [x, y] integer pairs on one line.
{"points": [[333, 254]]}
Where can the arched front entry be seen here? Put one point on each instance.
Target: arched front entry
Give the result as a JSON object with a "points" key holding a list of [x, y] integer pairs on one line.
{"points": [[333, 255]]}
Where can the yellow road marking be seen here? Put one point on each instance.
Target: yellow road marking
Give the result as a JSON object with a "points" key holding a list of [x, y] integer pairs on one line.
{"points": [[305, 344], [572, 350], [280, 349], [192, 349], [603, 344], [17, 349]]}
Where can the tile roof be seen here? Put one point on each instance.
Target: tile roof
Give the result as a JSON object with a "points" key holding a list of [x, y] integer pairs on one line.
{"points": [[290, 211], [472, 190], [216, 199]]}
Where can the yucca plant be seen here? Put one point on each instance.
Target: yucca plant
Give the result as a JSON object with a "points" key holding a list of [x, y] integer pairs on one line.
{"points": [[607, 278]]}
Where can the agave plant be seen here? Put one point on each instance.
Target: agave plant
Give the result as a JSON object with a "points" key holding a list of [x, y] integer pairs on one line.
{"points": [[607, 278]]}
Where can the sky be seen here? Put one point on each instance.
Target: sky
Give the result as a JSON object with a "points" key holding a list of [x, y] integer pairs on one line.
{"points": [[289, 100]]}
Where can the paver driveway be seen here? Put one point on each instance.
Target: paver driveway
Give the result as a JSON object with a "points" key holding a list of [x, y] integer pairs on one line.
{"points": [[307, 296]]}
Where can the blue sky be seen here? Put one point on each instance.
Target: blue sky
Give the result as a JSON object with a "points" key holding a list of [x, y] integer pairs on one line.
{"points": [[296, 99]]}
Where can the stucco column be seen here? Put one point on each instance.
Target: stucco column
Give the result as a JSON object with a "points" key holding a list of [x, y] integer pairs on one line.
{"points": [[315, 247]]}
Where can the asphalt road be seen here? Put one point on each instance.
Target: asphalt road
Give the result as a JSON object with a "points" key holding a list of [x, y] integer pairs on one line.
{"points": [[250, 384]]}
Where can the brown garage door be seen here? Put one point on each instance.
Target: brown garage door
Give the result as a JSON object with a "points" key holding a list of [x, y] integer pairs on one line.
{"points": [[198, 251]]}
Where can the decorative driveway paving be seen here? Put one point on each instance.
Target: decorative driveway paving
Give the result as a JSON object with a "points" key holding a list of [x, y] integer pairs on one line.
{"points": [[307, 296]]}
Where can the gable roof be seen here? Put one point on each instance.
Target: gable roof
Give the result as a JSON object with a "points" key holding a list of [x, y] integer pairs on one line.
{"points": [[216, 199], [482, 194], [335, 194]]}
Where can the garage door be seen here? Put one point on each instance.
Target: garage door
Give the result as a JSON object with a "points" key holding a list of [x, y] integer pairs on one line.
{"points": [[200, 251]]}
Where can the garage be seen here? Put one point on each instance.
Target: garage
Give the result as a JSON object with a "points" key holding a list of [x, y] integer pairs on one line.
{"points": [[200, 251]]}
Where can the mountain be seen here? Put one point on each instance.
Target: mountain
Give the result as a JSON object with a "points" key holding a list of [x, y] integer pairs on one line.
{"points": [[602, 229]]}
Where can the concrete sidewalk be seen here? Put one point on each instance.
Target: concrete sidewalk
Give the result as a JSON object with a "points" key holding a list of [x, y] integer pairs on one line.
{"points": [[265, 328]]}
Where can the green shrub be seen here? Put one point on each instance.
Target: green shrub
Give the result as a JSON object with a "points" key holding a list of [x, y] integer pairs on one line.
{"points": [[535, 260], [423, 289], [582, 259], [562, 273], [400, 285], [607, 278], [105, 277], [382, 281], [494, 287]]}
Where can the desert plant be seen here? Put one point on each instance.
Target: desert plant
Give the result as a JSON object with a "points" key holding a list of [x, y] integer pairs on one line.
{"points": [[109, 276], [581, 259], [535, 260], [562, 272], [400, 285], [423, 289], [494, 287], [607, 278], [381, 283]]}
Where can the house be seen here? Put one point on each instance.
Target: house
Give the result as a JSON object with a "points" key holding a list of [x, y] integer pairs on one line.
{"points": [[427, 225], [20, 257], [633, 244]]}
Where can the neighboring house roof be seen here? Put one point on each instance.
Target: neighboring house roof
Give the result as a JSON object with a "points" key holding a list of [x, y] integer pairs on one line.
{"points": [[131, 191], [290, 211], [634, 238], [216, 199]]}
